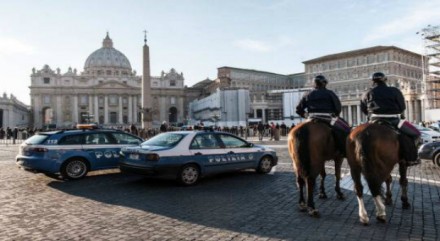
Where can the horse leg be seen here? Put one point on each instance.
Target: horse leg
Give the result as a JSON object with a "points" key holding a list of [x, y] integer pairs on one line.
{"points": [[310, 182], [380, 209], [388, 200], [322, 194], [404, 185], [359, 189], [375, 189], [338, 164], [302, 203]]}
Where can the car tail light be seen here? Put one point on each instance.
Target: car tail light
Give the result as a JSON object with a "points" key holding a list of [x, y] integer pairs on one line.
{"points": [[152, 157]]}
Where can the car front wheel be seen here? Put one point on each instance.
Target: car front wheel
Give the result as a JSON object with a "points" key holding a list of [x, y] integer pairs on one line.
{"points": [[74, 169], [436, 159], [189, 175], [265, 165]]}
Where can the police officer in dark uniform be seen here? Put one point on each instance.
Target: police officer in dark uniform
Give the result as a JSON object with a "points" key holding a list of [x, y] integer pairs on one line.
{"points": [[323, 104], [320, 100], [386, 103]]}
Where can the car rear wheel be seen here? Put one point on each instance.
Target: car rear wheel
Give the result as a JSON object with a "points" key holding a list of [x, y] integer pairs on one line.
{"points": [[74, 169], [189, 175], [436, 159], [265, 165]]}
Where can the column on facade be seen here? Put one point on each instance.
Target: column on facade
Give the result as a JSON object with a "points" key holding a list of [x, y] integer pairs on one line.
{"points": [[358, 113], [130, 109], [37, 111], [90, 110], [417, 111], [410, 111], [263, 114], [105, 109], [255, 113], [59, 111], [120, 120], [350, 117], [96, 112], [135, 108], [75, 108], [10, 116]]}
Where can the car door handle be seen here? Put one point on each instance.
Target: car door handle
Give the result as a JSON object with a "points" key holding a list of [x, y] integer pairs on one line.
{"points": [[231, 152], [197, 154]]}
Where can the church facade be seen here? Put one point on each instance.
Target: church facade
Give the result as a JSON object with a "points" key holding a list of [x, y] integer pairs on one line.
{"points": [[107, 91]]}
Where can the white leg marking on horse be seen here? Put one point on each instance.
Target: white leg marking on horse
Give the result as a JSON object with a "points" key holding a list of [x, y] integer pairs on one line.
{"points": [[363, 216], [380, 207]]}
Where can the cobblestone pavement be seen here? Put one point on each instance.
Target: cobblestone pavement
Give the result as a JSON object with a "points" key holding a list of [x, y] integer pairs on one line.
{"points": [[108, 205]]}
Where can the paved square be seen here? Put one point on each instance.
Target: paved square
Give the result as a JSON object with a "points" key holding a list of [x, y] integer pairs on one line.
{"points": [[108, 205]]}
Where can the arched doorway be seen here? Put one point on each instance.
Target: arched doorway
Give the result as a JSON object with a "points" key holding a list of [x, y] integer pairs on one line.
{"points": [[172, 115]]}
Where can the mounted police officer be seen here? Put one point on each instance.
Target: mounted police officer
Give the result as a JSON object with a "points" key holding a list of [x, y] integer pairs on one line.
{"points": [[383, 103], [323, 104]]}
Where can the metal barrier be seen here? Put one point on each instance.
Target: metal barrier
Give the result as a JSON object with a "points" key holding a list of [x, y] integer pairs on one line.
{"points": [[11, 141]]}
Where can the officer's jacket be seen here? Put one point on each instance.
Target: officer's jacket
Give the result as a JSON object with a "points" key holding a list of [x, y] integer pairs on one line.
{"points": [[383, 99], [319, 100]]}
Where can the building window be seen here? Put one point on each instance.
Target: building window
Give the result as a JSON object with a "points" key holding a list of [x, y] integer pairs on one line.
{"points": [[46, 99], [83, 100], [113, 100], [109, 72], [125, 119], [173, 100], [46, 80], [172, 82]]}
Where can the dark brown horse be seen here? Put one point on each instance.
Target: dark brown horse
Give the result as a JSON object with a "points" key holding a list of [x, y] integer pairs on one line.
{"points": [[373, 150], [310, 145]]}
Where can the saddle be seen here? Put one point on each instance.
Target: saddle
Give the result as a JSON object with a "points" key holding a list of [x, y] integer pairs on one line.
{"points": [[386, 122]]}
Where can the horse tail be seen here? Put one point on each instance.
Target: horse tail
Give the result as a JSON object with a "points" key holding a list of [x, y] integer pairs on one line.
{"points": [[363, 149], [302, 148]]}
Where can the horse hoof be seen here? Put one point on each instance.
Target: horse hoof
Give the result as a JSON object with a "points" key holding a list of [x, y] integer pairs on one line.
{"points": [[302, 207], [406, 205], [340, 196], [388, 202], [364, 221], [314, 213], [381, 219], [322, 196]]}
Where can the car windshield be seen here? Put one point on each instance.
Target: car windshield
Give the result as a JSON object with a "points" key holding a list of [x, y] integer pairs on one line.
{"points": [[165, 139], [36, 139]]}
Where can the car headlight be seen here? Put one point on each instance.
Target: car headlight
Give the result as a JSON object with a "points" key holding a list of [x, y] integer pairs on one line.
{"points": [[152, 157]]}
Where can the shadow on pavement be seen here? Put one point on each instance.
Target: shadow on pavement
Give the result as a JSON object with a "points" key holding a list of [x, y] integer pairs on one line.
{"points": [[247, 202]]}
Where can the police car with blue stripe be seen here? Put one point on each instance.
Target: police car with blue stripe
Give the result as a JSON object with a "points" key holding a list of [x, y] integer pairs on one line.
{"points": [[73, 153], [189, 155]]}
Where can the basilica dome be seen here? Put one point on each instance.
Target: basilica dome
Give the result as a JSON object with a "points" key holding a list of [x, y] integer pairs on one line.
{"points": [[106, 58]]}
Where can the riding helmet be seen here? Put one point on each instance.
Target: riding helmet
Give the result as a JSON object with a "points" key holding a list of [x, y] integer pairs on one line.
{"points": [[320, 80], [379, 77]]}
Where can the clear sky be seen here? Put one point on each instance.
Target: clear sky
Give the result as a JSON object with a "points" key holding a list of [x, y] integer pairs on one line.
{"points": [[198, 36]]}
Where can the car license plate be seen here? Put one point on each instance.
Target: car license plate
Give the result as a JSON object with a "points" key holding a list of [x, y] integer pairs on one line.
{"points": [[134, 156]]}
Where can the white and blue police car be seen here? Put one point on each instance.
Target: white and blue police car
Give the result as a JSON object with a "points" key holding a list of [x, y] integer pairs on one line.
{"points": [[73, 153], [188, 155]]}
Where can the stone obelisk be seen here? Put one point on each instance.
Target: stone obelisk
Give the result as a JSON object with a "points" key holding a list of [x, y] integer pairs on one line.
{"points": [[146, 87]]}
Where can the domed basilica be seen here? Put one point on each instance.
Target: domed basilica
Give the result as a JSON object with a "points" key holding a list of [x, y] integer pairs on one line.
{"points": [[107, 91]]}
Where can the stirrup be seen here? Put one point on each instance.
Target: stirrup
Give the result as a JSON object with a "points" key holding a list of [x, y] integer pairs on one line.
{"points": [[413, 163]]}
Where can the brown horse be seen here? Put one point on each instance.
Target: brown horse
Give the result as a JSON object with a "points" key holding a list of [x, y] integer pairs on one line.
{"points": [[374, 150], [310, 145]]}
